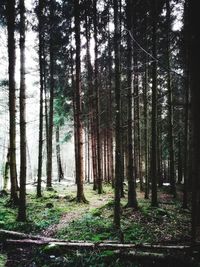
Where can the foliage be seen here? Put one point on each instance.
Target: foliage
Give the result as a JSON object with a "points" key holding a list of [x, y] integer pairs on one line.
{"points": [[2, 260]]}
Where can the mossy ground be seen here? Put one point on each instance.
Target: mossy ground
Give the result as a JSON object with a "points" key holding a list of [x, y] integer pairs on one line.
{"points": [[47, 210], [167, 223], [147, 224]]}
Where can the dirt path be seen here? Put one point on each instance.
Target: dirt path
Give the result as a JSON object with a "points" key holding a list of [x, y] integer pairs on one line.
{"points": [[77, 213]]}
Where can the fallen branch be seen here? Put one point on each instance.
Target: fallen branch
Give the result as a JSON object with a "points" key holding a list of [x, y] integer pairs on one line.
{"points": [[17, 238], [91, 246], [5, 234]]}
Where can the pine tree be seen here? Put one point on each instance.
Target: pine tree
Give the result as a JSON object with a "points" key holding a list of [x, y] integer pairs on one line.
{"points": [[22, 195]]}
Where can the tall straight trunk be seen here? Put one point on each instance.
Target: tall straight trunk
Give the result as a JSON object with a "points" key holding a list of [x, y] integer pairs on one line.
{"points": [[122, 148], [137, 122], [58, 156], [74, 110], [145, 115], [10, 12], [194, 31], [41, 66], [91, 104], [46, 97], [132, 200], [22, 98], [186, 113], [78, 111], [75, 128], [154, 201], [170, 106], [52, 85], [117, 116], [145, 103], [96, 85], [111, 163]]}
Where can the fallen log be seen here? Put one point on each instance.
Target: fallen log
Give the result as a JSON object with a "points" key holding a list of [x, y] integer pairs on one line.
{"points": [[91, 246], [18, 238], [5, 234]]}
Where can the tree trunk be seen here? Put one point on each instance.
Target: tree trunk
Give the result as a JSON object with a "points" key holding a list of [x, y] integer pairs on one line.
{"points": [[194, 31], [59, 164], [186, 113], [96, 85], [117, 116], [41, 66], [180, 173], [111, 164], [78, 111], [23, 167], [52, 85], [170, 107], [6, 171], [145, 103], [154, 201], [132, 200], [10, 12]]}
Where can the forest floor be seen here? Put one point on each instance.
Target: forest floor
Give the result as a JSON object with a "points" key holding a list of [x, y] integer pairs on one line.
{"points": [[58, 215], [95, 201]]}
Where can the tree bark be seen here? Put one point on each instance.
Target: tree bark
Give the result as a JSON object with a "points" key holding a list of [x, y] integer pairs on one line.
{"points": [[186, 113], [59, 164], [52, 85], [41, 66], [117, 117], [96, 85], [10, 12], [6, 171], [78, 107], [170, 106], [154, 201], [194, 20], [23, 161], [132, 200]]}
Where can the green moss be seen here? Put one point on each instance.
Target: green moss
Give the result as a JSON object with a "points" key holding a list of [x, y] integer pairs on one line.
{"points": [[3, 259]]}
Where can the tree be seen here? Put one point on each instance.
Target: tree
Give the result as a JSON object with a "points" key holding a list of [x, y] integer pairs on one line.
{"points": [[41, 66], [132, 201], [96, 86], [187, 93], [51, 101], [170, 106], [117, 117], [10, 15], [59, 164], [154, 201], [22, 195], [195, 100], [78, 108]]}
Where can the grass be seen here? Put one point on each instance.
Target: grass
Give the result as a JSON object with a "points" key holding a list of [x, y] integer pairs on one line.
{"points": [[41, 212], [166, 223], [45, 211]]}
